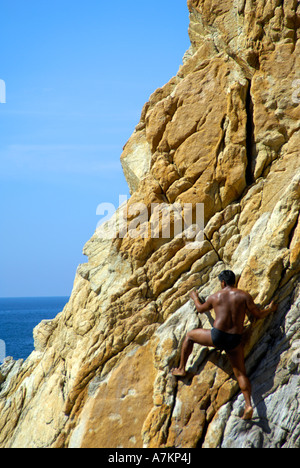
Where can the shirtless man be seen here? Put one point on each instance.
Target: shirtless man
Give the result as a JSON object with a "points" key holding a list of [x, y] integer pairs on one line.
{"points": [[231, 306]]}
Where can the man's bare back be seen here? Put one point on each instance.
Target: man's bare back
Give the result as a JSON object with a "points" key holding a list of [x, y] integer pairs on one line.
{"points": [[231, 306]]}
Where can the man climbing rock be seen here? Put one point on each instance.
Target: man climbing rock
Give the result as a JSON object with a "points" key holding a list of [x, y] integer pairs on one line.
{"points": [[231, 306]]}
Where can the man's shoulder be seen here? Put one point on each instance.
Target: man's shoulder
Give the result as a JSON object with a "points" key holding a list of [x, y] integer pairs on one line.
{"points": [[216, 296], [242, 293]]}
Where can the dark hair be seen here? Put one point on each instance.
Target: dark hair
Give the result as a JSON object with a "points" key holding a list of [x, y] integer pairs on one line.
{"points": [[228, 277]]}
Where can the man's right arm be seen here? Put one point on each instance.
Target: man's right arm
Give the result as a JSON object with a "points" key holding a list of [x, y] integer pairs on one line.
{"points": [[201, 308], [256, 311]]}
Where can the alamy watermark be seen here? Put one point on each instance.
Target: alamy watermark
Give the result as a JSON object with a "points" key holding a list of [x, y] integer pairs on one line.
{"points": [[296, 93], [2, 351], [2, 92], [157, 221], [296, 353]]}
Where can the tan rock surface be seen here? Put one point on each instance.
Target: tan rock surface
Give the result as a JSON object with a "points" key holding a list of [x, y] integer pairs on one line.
{"points": [[224, 132]]}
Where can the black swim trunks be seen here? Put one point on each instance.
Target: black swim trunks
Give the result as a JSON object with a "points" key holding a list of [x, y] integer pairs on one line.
{"points": [[225, 341]]}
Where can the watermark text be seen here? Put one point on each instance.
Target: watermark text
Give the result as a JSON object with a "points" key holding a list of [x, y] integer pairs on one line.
{"points": [[155, 221], [296, 93], [2, 92], [296, 354], [2, 351]]}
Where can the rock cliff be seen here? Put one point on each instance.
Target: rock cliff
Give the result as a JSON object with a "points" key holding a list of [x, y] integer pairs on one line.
{"points": [[225, 132]]}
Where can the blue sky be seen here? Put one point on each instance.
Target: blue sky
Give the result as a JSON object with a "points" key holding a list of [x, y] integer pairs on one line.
{"points": [[77, 75]]}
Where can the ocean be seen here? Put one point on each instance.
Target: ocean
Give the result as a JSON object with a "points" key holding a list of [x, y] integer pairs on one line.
{"points": [[18, 317]]}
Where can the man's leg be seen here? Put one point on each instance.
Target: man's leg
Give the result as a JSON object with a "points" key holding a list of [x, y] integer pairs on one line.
{"points": [[199, 336], [237, 360]]}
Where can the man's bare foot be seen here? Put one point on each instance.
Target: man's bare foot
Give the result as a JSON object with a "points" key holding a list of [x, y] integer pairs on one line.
{"points": [[178, 372], [248, 413]]}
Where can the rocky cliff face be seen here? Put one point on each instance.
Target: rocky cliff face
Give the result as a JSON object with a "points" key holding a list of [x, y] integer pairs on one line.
{"points": [[225, 131]]}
